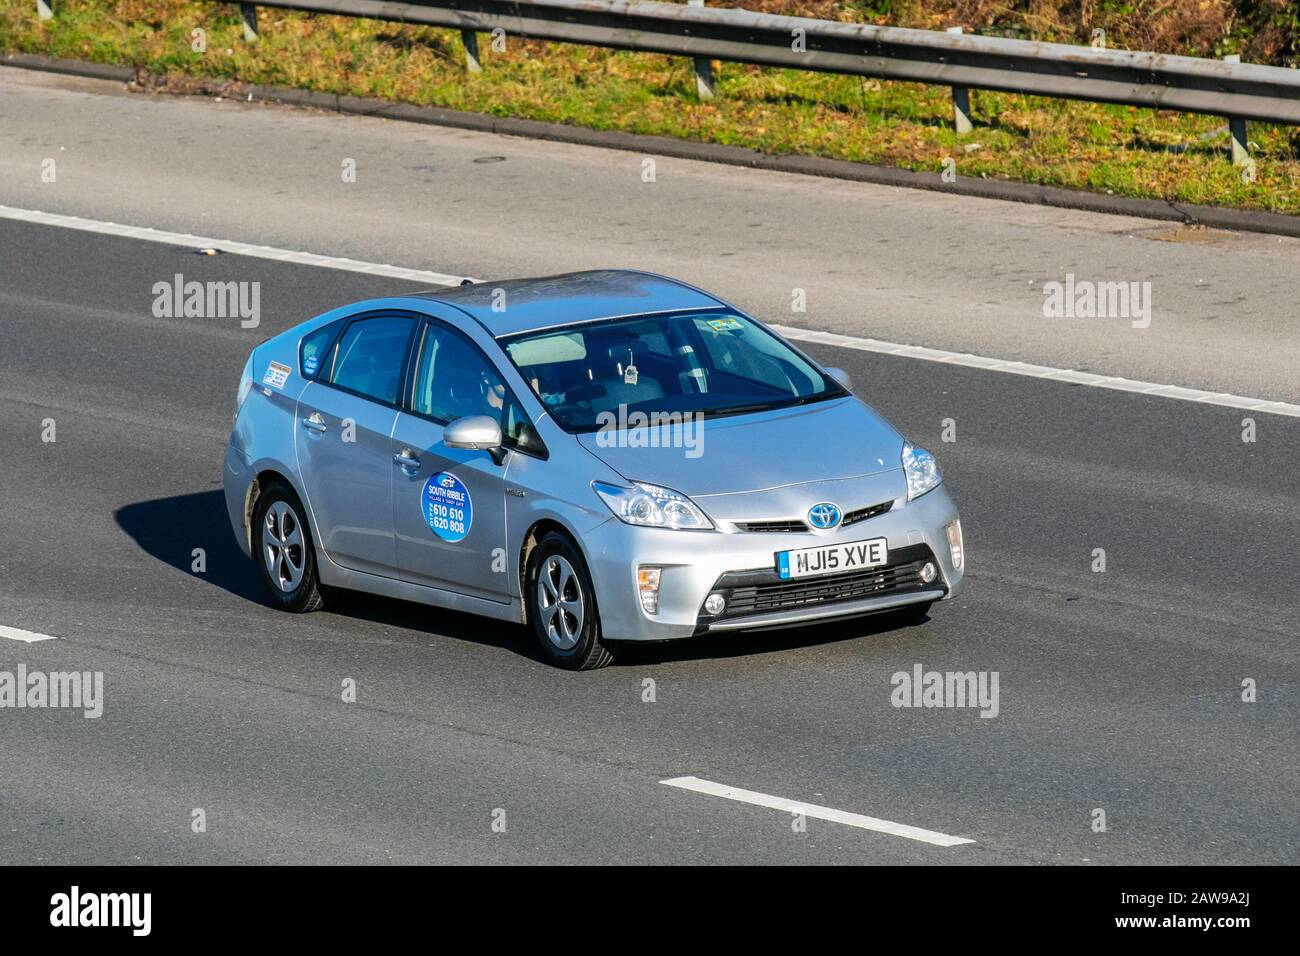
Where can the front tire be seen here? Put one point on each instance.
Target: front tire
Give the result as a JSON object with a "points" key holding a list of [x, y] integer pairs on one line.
{"points": [[562, 606], [282, 548]]}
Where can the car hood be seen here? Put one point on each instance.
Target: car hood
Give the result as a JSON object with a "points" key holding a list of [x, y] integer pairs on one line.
{"points": [[755, 453]]}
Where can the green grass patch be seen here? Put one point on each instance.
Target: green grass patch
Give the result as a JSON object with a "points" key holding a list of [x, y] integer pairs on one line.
{"points": [[1122, 150]]}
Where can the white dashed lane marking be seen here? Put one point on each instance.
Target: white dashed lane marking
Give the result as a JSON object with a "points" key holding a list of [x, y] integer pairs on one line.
{"points": [[696, 785], [27, 637]]}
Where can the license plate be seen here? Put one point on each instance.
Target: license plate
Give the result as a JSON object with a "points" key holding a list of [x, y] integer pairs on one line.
{"points": [[831, 558]]}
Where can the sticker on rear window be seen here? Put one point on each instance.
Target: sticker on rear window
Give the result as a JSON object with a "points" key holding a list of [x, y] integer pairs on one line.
{"points": [[276, 375], [448, 510], [724, 325], [310, 364]]}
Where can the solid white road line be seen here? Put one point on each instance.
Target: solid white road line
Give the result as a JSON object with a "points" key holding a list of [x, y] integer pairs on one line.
{"points": [[27, 637], [226, 245], [1040, 371], [812, 810], [803, 335]]}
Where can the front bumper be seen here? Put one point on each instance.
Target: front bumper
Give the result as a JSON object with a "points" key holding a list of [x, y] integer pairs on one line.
{"points": [[764, 599], [741, 565]]}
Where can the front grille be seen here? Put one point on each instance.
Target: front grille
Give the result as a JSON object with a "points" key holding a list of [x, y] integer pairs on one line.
{"points": [[798, 525], [862, 514], [795, 525], [758, 592]]}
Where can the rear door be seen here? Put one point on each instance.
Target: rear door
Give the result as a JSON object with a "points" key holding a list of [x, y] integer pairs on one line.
{"points": [[344, 435], [449, 503]]}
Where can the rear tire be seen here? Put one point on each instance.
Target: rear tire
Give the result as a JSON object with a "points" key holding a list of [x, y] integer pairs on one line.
{"points": [[562, 606], [283, 550]]}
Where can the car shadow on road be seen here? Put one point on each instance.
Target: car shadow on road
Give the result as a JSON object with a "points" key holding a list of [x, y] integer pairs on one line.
{"points": [[436, 621], [751, 643], [170, 529]]}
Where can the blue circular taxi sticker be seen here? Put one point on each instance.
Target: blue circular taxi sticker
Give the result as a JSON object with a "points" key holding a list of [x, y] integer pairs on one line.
{"points": [[448, 510]]}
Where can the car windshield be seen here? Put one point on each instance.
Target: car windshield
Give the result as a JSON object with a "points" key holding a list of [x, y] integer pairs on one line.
{"points": [[712, 363]]}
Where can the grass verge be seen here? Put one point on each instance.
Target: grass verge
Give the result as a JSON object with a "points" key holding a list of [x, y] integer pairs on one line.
{"points": [[1112, 149]]}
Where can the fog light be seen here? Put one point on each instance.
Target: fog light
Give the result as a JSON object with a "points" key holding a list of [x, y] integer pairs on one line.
{"points": [[955, 543], [715, 604], [929, 572], [647, 584]]}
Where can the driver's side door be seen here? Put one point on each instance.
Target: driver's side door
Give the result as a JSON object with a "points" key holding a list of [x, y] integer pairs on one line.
{"points": [[449, 509]]}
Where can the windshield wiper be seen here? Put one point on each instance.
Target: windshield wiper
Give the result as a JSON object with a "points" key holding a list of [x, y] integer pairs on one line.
{"points": [[733, 409], [793, 402]]}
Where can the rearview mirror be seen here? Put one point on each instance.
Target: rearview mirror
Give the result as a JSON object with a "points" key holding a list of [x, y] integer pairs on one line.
{"points": [[475, 432], [840, 376]]}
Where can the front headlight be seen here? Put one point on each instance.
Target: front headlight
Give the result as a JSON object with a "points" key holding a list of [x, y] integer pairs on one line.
{"points": [[922, 470], [652, 506]]}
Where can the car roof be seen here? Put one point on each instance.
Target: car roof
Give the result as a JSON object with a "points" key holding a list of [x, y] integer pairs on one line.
{"points": [[550, 301]]}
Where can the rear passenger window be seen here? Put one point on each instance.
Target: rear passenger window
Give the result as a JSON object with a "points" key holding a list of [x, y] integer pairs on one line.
{"points": [[312, 353], [370, 355]]}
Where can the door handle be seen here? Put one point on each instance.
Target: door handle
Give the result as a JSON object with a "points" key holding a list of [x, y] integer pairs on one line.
{"points": [[406, 459], [314, 422]]}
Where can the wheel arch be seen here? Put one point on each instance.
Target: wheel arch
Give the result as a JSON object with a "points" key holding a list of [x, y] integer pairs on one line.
{"points": [[253, 494], [536, 532]]}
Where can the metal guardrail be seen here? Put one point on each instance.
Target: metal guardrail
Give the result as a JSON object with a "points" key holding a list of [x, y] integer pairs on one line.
{"points": [[1226, 88]]}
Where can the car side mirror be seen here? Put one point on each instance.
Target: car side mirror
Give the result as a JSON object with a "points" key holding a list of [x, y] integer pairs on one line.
{"points": [[840, 376], [477, 433]]}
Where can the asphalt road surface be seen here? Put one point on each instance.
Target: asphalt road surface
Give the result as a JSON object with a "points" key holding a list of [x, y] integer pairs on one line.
{"points": [[1119, 690], [903, 265]]}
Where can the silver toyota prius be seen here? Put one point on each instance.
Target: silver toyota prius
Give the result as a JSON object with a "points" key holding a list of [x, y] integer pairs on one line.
{"points": [[603, 456]]}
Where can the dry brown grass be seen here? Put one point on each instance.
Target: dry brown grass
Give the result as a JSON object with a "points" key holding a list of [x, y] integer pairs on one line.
{"points": [[1262, 31]]}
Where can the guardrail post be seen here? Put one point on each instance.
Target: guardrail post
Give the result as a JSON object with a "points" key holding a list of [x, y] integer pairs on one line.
{"points": [[248, 13], [1237, 129], [961, 121], [703, 68], [44, 10], [1240, 148], [470, 41]]}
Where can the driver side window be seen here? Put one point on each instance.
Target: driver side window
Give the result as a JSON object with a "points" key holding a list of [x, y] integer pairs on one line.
{"points": [[453, 380]]}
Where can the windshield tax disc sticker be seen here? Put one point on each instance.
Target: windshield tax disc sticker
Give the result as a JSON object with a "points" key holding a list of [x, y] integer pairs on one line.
{"points": [[725, 325], [448, 510]]}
